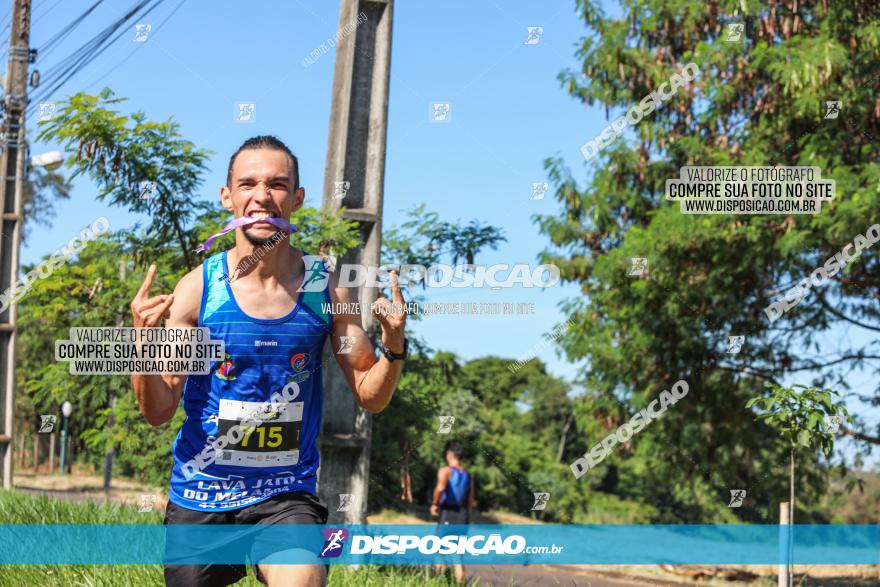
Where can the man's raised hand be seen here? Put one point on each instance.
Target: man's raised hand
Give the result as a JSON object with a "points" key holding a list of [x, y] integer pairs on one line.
{"points": [[391, 316], [146, 311]]}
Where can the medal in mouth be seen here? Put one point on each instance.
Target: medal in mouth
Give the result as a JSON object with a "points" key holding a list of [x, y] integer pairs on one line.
{"points": [[279, 223]]}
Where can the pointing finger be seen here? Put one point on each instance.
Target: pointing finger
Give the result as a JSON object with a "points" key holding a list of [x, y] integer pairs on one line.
{"points": [[148, 282], [396, 295]]}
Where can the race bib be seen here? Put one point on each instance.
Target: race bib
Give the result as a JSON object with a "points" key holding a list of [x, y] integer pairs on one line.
{"points": [[259, 434]]}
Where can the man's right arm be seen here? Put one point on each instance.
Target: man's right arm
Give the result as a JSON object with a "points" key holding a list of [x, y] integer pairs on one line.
{"points": [[159, 395], [443, 475]]}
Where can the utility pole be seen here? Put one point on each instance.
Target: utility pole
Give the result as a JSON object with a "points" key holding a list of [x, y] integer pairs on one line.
{"points": [[12, 164], [108, 456], [354, 178]]}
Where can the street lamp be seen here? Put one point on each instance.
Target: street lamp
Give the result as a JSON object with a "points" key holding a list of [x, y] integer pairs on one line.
{"points": [[50, 160], [66, 411]]}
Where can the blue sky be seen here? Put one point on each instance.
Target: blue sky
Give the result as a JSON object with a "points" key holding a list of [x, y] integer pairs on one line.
{"points": [[509, 113]]}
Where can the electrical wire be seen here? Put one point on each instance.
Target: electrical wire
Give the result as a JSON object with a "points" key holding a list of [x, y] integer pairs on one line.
{"points": [[57, 39], [51, 8], [62, 72], [132, 52]]}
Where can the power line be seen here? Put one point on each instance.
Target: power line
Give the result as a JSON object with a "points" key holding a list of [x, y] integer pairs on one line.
{"points": [[51, 8], [58, 37], [132, 52], [5, 50], [8, 12], [63, 71]]}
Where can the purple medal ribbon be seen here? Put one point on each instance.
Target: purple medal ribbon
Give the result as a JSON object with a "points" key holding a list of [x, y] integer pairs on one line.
{"points": [[279, 223]]}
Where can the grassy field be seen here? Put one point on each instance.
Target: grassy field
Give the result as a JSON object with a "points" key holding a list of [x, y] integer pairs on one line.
{"points": [[17, 508]]}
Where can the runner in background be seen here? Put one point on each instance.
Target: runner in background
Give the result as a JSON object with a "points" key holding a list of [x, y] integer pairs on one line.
{"points": [[453, 498]]}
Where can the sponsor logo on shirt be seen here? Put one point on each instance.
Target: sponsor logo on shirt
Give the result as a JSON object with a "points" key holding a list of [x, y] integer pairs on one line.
{"points": [[299, 361], [226, 370]]}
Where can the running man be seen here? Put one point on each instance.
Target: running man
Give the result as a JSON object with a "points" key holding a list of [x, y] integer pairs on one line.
{"points": [[453, 497], [273, 317]]}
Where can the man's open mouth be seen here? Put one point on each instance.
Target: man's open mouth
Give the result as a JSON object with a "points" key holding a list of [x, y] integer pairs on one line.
{"points": [[261, 214]]}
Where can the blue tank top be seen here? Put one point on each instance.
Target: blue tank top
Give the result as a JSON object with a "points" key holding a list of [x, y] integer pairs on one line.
{"points": [[277, 452], [457, 489]]}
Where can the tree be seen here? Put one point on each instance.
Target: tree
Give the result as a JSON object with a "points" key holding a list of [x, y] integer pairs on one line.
{"points": [[804, 416], [120, 152], [39, 193], [760, 101]]}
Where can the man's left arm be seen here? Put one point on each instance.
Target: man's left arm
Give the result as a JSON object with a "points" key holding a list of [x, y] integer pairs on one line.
{"points": [[372, 380]]}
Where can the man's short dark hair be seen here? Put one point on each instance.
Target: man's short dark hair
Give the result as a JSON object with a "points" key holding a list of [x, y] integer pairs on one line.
{"points": [[266, 142], [455, 448]]}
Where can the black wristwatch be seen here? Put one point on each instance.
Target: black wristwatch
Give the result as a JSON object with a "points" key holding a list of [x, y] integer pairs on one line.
{"points": [[395, 356]]}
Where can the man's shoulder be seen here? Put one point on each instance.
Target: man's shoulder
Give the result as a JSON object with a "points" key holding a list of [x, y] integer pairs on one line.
{"points": [[192, 279], [338, 293], [188, 296]]}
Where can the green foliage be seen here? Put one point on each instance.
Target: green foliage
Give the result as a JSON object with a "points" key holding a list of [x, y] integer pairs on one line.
{"points": [[756, 102], [118, 152], [38, 197], [17, 508], [424, 239], [511, 426], [803, 415]]}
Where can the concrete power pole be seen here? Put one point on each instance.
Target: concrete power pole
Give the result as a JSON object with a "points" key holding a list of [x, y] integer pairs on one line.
{"points": [[354, 178], [12, 162]]}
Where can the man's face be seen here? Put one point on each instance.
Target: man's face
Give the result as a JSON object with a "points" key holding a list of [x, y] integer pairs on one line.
{"points": [[262, 185]]}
